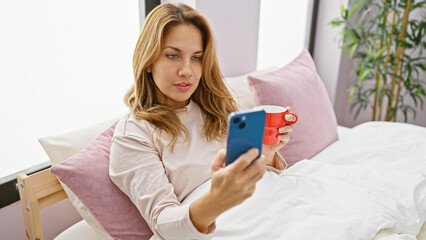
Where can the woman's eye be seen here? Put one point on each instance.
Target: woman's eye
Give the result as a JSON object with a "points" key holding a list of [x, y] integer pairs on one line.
{"points": [[196, 58], [172, 56]]}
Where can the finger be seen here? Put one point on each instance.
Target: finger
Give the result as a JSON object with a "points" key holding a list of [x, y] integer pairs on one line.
{"points": [[253, 180], [284, 138], [288, 108], [219, 161], [278, 146], [255, 168], [250, 190], [244, 160], [286, 129], [290, 118], [258, 176]]}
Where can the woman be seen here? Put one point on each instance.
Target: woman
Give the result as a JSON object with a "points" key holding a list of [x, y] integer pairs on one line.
{"points": [[170, 142]]}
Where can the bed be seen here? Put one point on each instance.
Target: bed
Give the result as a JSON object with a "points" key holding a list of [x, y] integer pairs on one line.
{"points": [[378, 192], [368, 183]]}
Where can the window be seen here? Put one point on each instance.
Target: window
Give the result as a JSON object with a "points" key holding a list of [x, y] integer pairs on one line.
{"points": [[284, 28], [63, 65]]}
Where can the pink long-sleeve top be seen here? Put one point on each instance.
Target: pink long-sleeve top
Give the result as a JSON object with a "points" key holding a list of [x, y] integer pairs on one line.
{"points": [[156, 179]]}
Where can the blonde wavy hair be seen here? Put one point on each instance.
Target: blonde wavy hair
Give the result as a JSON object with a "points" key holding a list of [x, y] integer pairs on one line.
{"points": [[212, 94]]}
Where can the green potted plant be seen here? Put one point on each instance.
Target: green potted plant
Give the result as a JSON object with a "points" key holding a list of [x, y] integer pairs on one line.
{"points": [[387, 48]]}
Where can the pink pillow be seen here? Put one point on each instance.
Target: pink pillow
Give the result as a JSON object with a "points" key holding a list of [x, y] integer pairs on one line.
{"points": [[299, 86], [87, 175]]}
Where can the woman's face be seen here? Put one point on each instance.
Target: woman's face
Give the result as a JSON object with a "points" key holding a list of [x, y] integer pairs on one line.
{"points": [[178, 69]]}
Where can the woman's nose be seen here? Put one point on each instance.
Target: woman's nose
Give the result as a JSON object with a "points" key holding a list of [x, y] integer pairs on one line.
{"points": [[185, 69]]}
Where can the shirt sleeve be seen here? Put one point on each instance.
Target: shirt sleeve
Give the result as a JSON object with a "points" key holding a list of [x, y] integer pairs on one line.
{"points": [[136, 168], [279, 164]]}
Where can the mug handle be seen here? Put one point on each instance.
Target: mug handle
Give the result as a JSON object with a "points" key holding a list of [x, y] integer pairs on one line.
{"points": [[287, 122]]}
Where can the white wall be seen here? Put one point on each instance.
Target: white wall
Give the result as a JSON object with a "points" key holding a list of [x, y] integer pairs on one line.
{"points": [[327, 54], [190, 3], [235, 25]]}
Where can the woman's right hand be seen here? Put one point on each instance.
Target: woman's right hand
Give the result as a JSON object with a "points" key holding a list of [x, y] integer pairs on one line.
{"points": [[230, 186], [233, 184]]}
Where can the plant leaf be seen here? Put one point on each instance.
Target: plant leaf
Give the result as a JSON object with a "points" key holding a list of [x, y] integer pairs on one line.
{"points": [[353, 49], [351, 93], [379, 53], [354, 8], [419, 4], [336, 22], [343, 12], [364, 74]]}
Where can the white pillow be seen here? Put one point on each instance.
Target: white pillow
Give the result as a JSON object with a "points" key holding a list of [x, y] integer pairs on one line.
{"points": [[80, 231], [240, 89], [61, 147]]}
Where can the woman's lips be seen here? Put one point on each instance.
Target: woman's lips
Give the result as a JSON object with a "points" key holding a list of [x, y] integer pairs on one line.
{"points": [[183, 86]]}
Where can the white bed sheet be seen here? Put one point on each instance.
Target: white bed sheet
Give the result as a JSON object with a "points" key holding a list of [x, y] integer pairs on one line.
{"points": [[342, 131], [372, 180]]}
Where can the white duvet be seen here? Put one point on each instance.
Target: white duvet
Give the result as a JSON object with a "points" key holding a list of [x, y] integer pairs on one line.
{"points": [[369, 184]]}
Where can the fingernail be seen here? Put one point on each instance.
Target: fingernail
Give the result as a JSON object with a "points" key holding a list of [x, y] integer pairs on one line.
{"points": [[284, 130], [255, 150]]}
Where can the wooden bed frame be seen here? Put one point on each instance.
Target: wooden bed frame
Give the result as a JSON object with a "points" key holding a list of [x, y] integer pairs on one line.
{"points": [[38, 191]]}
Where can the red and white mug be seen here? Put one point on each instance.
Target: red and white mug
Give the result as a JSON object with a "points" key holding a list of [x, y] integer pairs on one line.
{"points": [[275, 118]]}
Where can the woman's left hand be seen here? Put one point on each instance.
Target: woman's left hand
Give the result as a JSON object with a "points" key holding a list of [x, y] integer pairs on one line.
{"points": [[283, 137]]}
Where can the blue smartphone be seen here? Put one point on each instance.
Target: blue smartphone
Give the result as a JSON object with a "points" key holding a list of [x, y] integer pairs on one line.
{"points": [[245, 131]]}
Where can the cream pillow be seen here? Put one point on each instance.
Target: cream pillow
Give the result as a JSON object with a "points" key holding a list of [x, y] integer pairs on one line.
{"points": [[80, 231], [240, 89], [61, 147]]}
